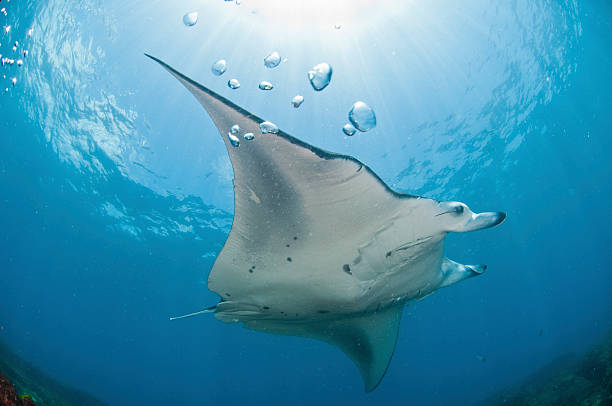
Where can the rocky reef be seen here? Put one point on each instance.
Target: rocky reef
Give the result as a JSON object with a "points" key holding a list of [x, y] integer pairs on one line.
{"points": [[9, 397], [23, 385], [567, 381]]}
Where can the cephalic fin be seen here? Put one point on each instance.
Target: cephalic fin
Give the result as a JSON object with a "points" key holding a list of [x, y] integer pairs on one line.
{"points": [[453, 272]]}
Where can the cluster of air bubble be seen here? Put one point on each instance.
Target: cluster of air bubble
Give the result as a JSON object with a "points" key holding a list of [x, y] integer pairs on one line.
{"points": [[361, 116], [12, 52], [219, 67], [233, 136]]}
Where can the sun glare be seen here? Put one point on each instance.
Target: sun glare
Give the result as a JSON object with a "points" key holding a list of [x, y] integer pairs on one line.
{"points": [[329, 13]]}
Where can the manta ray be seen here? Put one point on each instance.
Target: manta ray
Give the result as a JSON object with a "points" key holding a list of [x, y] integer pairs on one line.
{"points": [[320, 246]]}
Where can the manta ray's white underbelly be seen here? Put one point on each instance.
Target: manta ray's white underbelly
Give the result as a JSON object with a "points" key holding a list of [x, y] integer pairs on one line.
{"points": [[341, 293]]}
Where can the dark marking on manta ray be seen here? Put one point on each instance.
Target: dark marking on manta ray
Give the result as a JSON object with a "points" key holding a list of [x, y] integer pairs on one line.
{"points": [[346, 268], [289, 259], [322, 311], [266, 308], [295, 238], [227, 294], [251, 270], [287, 245], [389, 253]]}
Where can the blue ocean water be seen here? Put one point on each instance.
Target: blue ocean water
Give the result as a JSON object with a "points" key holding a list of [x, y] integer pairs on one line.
{"points": [[116, 190]]}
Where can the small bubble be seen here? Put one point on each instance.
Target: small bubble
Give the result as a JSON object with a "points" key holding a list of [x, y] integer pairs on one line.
{"points": [[297, 101], [16, 44], [190, 19], [233, 140], [19, 62], [233, 84], [218, 68], [263, 85], [249, 136], [14, 48], [7, 29], [338, 26], [268, 127], [320, 76], [30, 31], [235, 129], [362, 116], [348, 129], [14, 81], [26, 53], [272, 60]]}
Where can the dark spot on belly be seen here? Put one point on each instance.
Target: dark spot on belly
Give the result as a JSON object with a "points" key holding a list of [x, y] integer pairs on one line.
{"points": [[289, 259], [266, 308], [251, 270], [253, 267], [346, 268], [388, 254], [322, 311], [287, 245], [227, 294], [295, 238]]}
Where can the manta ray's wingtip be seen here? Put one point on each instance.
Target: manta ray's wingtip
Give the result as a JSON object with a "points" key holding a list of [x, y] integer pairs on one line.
{"points": [[154, 58]]}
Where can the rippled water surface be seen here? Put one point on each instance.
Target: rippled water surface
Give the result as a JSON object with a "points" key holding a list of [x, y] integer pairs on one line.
{"points": [[116, 188]]}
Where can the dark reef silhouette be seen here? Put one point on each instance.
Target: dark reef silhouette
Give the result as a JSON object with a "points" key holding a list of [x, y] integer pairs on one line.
{"points": [[23, 385], [566, 381]]}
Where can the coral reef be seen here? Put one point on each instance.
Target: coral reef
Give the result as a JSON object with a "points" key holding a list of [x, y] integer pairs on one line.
{"points": [[566, 382], [17, 376], [8, 395]]}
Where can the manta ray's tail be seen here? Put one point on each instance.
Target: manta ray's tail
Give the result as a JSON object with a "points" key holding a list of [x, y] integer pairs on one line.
{"points": [[210, 309]]}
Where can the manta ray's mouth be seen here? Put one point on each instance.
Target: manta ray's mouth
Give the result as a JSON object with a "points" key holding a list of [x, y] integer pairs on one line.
{"points": [[408, 245]]}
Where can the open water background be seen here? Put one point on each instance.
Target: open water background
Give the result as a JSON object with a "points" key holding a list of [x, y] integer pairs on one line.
{"points": [[116, 193]]}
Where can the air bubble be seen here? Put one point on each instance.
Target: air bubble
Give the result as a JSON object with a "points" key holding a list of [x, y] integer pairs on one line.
{"points": [[349, 130], [263, 85], [233, 140], [268, 127], [362, 116], [233, 84], [218, 68], [320, 76], [272, 60], [297, 101], [190, 19]]}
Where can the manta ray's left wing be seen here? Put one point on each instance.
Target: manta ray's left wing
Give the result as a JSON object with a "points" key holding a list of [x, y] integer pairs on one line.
{"points": [[291, 199]]}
